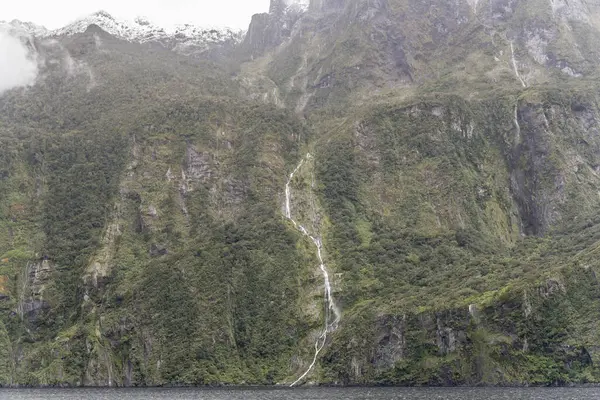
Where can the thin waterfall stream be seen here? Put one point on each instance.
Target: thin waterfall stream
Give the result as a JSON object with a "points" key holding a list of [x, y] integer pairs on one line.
{"points": [[516, 120], [514, 64], [331, 310]]}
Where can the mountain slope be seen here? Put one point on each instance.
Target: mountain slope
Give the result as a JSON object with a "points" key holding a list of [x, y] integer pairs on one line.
{"points": [[446, 174]]}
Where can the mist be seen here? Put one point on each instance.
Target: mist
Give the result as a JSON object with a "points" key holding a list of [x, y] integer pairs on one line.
{"points": [[17, 67]]}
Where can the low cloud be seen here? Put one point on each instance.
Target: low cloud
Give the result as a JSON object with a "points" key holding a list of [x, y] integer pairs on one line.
{"points": [[17, 67]]}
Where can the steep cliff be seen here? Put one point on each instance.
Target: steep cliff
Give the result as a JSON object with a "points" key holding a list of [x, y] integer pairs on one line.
{"points": [[445, 186]]}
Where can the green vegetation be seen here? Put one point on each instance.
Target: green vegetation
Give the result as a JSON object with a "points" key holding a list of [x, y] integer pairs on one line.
{"points": [[437, 249], [142, 235]]}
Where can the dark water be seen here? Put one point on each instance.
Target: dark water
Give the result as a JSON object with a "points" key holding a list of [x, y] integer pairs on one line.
{"points": [[306, 394]]}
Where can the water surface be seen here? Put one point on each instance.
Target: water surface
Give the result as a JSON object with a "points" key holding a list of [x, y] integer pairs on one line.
{"points": [[306, 394]]}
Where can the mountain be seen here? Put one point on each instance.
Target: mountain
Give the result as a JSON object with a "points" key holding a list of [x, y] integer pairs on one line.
{"points": [[389, 192], [20, 28], [184, 39]]}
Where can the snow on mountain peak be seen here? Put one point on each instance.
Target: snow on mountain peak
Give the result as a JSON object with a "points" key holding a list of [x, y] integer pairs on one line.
{"points": [[142, 30], [143, 21], [139, 30]]}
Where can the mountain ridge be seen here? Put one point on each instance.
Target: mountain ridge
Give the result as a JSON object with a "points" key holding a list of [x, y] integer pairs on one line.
{"points": [[184, 38]]}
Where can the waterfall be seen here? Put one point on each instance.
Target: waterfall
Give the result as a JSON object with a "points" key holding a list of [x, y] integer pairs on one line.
{"points": [[330, 306], [288, 207], [514, 64], [517, 121]]}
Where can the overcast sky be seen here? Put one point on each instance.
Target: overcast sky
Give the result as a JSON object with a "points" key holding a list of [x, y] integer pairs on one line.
{"points": [[214, 13]]}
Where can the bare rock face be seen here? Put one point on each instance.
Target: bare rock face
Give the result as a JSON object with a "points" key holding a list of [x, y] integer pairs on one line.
{"points": [[447, 339], [100, 267], [235, 191], [198, 165], [571, 10], [262, 35], [539, 183], [326, 5], [391, 346], [267, 31], [157, 250], [277, 6], [36, 278]]}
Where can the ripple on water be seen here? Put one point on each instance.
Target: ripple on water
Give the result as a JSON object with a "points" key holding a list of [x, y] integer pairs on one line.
{"points": [[306, 394]]}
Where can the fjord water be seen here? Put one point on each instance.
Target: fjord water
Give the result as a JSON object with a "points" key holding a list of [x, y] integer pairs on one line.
{"points": [[307, 394]]}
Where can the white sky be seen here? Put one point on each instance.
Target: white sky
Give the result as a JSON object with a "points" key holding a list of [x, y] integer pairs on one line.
{"points": [[55, 14]]}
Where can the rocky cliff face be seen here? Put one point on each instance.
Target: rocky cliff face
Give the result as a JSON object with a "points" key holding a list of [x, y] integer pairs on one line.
{"points": [[269, 30], [451, 189], [396, 44]]}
